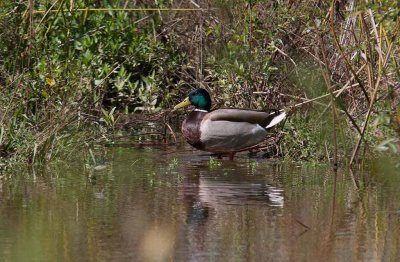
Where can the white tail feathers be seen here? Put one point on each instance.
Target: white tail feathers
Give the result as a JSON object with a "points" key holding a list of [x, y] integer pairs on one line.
{"points": [[276, 120]]}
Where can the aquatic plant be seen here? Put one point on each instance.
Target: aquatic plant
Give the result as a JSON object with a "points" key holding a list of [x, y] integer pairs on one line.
{"points": [[173, 164], [213, 163]]}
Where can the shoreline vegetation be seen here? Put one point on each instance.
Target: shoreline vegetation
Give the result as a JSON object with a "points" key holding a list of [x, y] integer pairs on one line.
{"points": [[73, 73]]}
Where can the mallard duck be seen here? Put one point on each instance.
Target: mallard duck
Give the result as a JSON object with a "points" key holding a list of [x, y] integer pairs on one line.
{"points": [[224, 131]]}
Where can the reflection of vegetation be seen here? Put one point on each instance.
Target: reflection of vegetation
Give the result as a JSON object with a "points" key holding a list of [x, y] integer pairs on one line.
{"points": [[60, 215], [253, 166]]}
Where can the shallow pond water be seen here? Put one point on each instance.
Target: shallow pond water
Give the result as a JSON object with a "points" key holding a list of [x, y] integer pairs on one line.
{"points": [[174, 204]]}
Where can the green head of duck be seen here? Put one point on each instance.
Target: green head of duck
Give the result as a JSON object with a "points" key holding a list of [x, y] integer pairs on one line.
{"points": [[199, 98]]}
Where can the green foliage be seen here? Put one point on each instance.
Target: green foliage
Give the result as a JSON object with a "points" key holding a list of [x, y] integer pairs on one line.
{"points": [[108, 117], [120, 62], [301, 139], [383, 136], [308, 136], [61, 64]]}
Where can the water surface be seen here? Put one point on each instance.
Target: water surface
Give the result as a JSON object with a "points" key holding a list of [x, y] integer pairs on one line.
{"points": [[167, 204]]}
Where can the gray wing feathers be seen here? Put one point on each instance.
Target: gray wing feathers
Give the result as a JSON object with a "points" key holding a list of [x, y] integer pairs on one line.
{"points": [[264, 119], [225, 136]]}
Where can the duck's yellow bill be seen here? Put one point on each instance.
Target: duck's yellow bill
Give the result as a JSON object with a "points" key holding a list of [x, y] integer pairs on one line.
{"points": [[184, 103]]}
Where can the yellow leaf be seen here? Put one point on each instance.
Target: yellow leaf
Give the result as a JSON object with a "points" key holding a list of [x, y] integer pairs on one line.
{"points": [[50, 81]]}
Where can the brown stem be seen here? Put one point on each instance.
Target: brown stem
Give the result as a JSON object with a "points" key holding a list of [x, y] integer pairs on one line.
{"points": [[339, 46], [357, 147]]}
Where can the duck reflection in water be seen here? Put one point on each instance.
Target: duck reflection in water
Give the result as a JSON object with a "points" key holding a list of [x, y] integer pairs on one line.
{"points": [[210, 197], [202, 194]]}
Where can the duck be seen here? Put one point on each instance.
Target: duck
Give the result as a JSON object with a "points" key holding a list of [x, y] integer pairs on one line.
{"points": [[224, 131]]}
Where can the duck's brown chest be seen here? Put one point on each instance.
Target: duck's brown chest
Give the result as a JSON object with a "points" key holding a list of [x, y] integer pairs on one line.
{"points": [[191, 128]]}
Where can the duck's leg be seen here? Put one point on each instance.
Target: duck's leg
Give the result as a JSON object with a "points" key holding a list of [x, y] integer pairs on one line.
{"points": [[231, 155]]}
